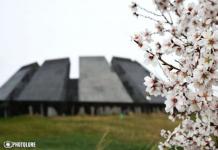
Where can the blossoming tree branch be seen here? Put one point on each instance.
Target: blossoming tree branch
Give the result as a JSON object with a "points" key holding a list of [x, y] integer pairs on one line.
{"points": [[189, 37]]}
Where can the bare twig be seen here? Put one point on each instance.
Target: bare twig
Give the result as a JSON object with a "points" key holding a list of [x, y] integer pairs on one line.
{"points": [[165, 18], [147, 17], [150, 12], [179, 63], [163, 61], [171, 20]]}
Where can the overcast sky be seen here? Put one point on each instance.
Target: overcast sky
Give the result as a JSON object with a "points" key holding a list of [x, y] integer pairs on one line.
{"points": [[36, 30]]}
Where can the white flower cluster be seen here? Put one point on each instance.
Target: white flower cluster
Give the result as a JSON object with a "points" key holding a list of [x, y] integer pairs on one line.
{"points": [[189, 38]]}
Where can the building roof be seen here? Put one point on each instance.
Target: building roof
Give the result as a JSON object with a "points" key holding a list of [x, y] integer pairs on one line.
{"points": [[49, 82], [132, 74], [94, 65], [98, 83], [17, 82]]}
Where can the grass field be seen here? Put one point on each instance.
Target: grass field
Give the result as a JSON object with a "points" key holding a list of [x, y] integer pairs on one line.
{"points": [[133, 132]]}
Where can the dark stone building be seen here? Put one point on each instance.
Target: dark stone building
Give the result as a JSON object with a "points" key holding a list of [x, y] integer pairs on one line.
{"points": [[72, 90], [49, 83], [132, 75], [97, 83], [101, 89], [15, 85]]}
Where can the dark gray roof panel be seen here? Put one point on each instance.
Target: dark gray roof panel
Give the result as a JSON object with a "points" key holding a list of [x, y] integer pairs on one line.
{"points": [[132, 74], [49, 82], [11, 89], [98, 83], [72, 90]]}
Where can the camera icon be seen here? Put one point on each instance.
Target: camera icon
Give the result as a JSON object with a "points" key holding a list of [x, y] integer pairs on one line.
{"points": [[8, 144]]}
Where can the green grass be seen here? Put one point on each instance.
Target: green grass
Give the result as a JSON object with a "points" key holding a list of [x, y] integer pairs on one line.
{"points": [[133, 132]]}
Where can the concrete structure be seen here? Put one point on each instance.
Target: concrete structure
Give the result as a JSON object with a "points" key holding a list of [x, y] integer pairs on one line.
{"points": [[72, 90], [49, 83], [132, 74], [98, 83], [100, 90], [12, 88]]}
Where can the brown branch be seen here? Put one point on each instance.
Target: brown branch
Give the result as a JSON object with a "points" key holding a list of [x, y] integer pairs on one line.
{"points": [[179, 63], [165, 18], [164, 62], [146, 17], [170, 17], [167, 64], [150, 12]]}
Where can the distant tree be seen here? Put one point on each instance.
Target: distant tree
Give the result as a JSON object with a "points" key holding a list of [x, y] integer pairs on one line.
{"points": [[189, 39]]}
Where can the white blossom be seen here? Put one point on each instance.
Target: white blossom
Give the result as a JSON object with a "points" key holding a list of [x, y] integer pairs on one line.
{"points": [[188, 30], [210, 40], [174, 102]]}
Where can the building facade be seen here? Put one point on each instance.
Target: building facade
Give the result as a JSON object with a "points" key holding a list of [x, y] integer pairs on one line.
{"points": [[101, 89]]}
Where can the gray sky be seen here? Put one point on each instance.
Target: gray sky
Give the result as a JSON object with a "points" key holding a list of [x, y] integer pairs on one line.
{"points": [[35, 30]]}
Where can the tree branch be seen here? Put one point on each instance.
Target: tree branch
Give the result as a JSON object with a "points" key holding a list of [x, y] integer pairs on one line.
{"points": [[150, 12], [163, 61], [167, 64]]}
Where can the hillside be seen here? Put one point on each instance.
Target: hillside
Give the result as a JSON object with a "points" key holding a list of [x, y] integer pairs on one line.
{"points": [[133, 132]]}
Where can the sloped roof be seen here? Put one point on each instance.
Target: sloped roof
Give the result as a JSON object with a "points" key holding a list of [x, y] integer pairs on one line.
{"points": [[17, 82], [98, 83], [94, 65], [49, 82], [132, 75]]}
